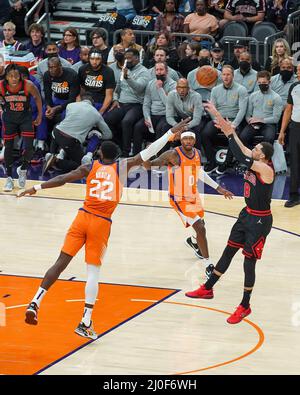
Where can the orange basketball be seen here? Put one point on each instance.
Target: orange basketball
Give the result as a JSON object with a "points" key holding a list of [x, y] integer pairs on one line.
{"points": [[206, 76]]}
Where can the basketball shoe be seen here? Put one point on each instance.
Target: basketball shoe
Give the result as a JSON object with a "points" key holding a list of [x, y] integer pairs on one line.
{"points": [[201, 293], [189, 242], [31, 314], [240, 313], [22, 177], [9, 185], [86, 331]]}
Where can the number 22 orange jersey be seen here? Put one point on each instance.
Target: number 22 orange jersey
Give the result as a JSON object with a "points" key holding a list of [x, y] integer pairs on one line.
{"points": [[103, 189]]}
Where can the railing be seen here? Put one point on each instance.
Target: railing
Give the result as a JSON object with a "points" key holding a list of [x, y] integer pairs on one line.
{"points": [[44, 17], [268, 44], [149, 34], [293, 27], [231, 40]]}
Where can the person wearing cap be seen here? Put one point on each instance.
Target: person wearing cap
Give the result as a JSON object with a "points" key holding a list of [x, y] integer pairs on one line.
{"points": [[99, 39], [127, 41], [217, 56], [84, 58], [230, 99], [264, 111], [97, 79], [245, 75], [129, 94], [154, 124], [183, 102], [239, 47], [185, 169], [248, 11]]}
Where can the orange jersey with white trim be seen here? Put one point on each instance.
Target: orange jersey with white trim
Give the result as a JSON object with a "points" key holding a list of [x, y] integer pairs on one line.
{"points": [[183, 178], [103, 189]]}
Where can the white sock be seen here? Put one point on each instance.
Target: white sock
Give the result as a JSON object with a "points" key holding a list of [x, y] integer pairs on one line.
{"points": [[40, 144], [38, 297], [87, 314]]}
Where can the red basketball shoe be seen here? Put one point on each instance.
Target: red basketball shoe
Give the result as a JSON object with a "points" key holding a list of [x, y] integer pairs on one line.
{"points": [[240, 313], [201, 293]]}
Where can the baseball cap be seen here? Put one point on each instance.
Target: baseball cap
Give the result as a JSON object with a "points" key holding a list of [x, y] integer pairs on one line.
{"points": [[217, 47], [240, 43]]}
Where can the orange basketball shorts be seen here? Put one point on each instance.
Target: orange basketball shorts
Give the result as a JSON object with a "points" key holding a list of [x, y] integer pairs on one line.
{"points": [[89, 230], [189, 212]]}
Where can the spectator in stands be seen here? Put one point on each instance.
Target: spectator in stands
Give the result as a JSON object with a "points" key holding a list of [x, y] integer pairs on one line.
{"points": [[186, 6], [217, 8], [162, 39], [69, 48], [154, 123], [190, 61], [51, 52], [98, 80], [281, 83], [9, 42], [36, 45], [239, 47], [277, 11], [281, 50], [2, 67], [264, 111], [248, 11], [125, 8], [217, 56], [127, 41], [291, 118], [200, 22], [84, 58], [71, 133], [245, 75], [61, 87], [157, 6], [161, 55], [129, 94], [117, 66], [230, 99], [98, 37], [182, 103], [170, 20], [4, 11]]}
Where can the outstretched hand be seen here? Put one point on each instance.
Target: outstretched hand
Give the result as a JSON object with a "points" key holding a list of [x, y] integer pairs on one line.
{"points": [[29, 191], [224, 125], [227, 194], [179, 128]]}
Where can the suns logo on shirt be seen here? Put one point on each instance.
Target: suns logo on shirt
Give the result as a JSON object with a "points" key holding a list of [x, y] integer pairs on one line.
{"points": [[93, 81], [60, 87]]}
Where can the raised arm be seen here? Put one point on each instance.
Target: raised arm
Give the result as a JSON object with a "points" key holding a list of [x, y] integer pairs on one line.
{"points": [[60, 180]]}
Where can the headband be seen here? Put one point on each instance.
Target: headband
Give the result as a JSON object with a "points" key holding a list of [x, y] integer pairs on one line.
{"points": [[188, 134]]}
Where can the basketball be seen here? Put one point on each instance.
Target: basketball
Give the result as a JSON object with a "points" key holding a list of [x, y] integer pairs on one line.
{"points": [[206, 76]]}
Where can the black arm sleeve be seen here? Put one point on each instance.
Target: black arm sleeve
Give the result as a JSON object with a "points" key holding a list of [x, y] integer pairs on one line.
{"points": [[237, 152]]}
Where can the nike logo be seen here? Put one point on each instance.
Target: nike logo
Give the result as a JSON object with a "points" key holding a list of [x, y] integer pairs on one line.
{"points": [[259, 221]]}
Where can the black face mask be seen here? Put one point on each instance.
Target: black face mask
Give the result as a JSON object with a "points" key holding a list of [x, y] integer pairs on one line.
{"points": [[286, 75], [245, 66], [119, 56], [264, 87], [161, 78], [52, 55], [130, 65], [204, 62]]}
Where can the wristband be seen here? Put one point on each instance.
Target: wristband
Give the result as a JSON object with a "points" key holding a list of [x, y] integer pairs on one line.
{"points": [[37, 187]]}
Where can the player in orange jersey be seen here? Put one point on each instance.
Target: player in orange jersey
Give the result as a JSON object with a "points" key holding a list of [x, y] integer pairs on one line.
{"points": [[184, 168], [91, 227]]}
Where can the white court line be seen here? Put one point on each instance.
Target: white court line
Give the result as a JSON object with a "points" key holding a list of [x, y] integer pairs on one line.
{"points": [[76, 300], [15, 307], [144, 300]]}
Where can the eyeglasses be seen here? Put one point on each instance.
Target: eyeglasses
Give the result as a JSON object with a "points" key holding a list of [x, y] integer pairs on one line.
{"points": [[69, 35], [93, 38]]}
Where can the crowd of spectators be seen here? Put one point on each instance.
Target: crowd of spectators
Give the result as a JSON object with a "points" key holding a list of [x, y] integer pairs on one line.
{"points": [[141, 91]]}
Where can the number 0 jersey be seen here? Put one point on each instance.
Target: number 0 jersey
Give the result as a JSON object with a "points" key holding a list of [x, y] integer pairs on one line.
{"points": [[103, 189]]}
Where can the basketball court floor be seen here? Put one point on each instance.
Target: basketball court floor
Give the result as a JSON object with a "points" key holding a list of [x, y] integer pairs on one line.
{"points": [[146, 325]]}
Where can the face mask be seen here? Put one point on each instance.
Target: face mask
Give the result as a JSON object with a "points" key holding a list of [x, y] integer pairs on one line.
{"points": [[264, 87], [204, 62], [161, 78], [244, 65], [52, 55], [119, 56], [130, 65], [286, 75]]}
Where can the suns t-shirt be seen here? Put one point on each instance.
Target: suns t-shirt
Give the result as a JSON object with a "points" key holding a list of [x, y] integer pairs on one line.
{"points": [[96, 81]]}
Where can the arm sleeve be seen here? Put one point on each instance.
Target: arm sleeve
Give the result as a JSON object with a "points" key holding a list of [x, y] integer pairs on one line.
{"points": [[47, 90], [103, 127], [197, 113], [250, 108], [170, 111], [237, 152], [204, 177], [74, 91], [147, 103], [290, 97], [140, 83], [277, 110]]}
